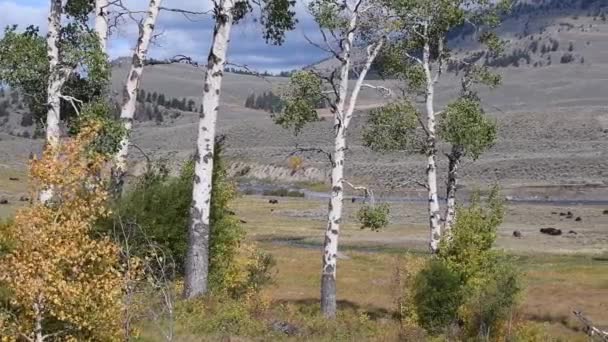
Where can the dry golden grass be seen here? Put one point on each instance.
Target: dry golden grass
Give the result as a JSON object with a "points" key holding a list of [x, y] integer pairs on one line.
{"points": [[554, 284]]}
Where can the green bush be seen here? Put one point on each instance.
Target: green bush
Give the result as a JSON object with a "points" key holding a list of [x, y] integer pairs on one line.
{"points": [[159, 205], [374, 217], [469, 281], [437, 296]]}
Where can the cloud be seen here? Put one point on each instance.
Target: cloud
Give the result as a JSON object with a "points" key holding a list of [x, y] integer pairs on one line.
{"points": [[192, 37]]}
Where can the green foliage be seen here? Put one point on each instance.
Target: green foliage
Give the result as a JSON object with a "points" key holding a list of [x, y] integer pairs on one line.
{"points": [[468, 250], [160, 206], [374, 217], [438, 296], [463, 124], [393, 128], [301, 97], [277, 17], [111, 133], [327, 14], [469, 281], [24, 65]]}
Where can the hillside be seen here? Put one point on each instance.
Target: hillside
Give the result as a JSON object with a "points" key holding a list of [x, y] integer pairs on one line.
{"points": [[551, 111]]}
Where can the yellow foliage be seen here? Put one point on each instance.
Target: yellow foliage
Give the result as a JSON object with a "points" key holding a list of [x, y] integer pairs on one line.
{"points": [[295, 163], [61, 279]]}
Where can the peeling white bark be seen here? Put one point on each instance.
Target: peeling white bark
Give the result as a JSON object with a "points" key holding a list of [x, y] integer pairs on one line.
{"points": [[56, 75], [431, 170], [197, 259], [101, 23], [130, 91], [342, 119]]}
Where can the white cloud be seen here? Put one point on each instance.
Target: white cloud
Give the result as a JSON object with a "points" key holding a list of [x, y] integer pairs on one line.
{"points": [[192, 38]]}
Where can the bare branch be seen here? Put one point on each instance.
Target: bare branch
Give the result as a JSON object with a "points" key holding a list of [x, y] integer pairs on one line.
{"points": [[590, 328], [72, 100], [244, 66], [300, 150], [385, 91]]}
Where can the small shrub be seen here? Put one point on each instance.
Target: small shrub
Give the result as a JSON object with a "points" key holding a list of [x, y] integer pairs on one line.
{"points": [[374, 217], [567, 58], [438, 296], [27, 119]]}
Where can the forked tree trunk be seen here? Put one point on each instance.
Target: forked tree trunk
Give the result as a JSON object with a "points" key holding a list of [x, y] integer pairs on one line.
{"points": [[334, 217], [130, 90], [452, 187], [56, 75], [197, 259], [101, 23], [431, 169]]}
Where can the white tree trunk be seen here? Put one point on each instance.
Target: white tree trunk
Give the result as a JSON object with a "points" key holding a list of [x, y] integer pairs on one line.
{"points": [[197, 259], [101, 23], [56, 75], [431, 170], [129, 101], [342, 119]]}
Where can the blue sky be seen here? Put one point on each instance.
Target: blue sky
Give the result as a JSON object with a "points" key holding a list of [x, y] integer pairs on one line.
{"points": [[181, 36]]}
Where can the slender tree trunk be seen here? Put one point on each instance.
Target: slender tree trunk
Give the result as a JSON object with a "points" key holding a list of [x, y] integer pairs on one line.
{"points": [[56, 77], [101, 23], [452, 187], [129, 101], [431, 170], [197, 259], [37, 306], [334, 212]]}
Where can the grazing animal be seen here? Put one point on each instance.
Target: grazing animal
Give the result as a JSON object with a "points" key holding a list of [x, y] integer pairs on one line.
{"points": [[24, 198], [13, 178], [517, 233], [273, 201], [578, 219], [551, 231], [572, 232], [3, 201], [605, 212], [554, 213], [353, 200], [562, 214]]}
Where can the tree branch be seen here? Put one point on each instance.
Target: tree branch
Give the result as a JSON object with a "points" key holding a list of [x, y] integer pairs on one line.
{"points": [[590, 328]]}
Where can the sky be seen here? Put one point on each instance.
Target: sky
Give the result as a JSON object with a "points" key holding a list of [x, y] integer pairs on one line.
{"points": [[192, 37]]}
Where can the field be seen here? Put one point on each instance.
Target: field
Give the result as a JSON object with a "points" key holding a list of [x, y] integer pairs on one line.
{"points": [[561, 273]]}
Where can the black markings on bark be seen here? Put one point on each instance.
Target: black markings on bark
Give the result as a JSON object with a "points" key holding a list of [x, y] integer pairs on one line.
{"points": [[206, 87], [336, 188], [133, 76], [334, 231], [207, 157], [197, 179]]}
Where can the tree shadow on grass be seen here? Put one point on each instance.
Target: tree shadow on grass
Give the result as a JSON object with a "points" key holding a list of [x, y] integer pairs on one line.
{"points": [[312, 305]]}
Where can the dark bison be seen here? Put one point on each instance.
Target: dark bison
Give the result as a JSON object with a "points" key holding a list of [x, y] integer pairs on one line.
{"points": [[273, 201], [517, 233], [551, 231]]}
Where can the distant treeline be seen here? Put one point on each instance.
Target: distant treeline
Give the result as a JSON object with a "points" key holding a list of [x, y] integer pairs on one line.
{"points": [[270, 102]]}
